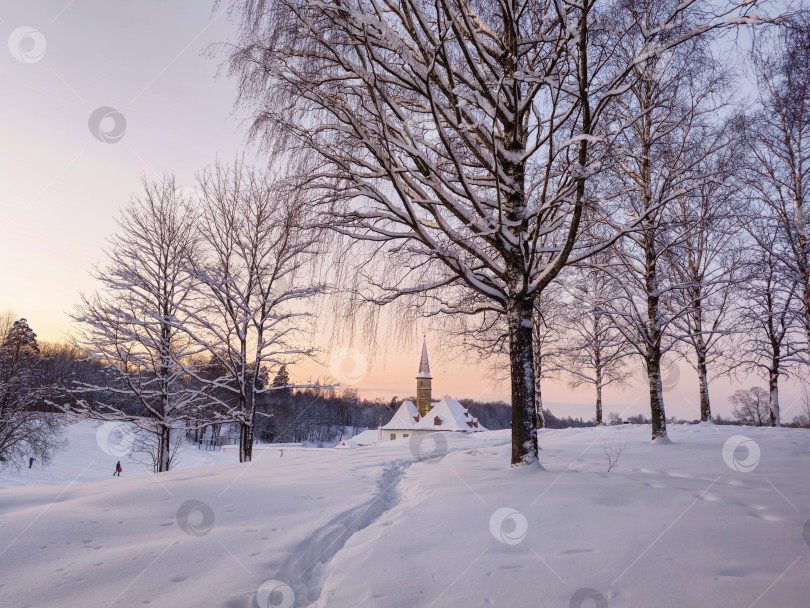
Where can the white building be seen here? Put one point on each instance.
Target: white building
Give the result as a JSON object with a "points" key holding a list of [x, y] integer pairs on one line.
{"points": [[445, 415], [428, 416]]}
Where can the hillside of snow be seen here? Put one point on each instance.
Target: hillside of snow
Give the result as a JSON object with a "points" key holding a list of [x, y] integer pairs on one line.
{"points": [[720, 518], [84, 460]]}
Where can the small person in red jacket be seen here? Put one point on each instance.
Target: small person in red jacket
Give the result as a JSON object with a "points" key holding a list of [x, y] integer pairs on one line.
{"points": [[117, 469]]}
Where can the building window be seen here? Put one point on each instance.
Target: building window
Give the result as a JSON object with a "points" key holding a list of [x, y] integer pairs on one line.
{"points": [[393, 435], [404, 435], [437, 421]]}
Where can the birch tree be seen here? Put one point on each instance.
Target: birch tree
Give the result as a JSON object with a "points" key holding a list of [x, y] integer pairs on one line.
{"points": [[457, 137], [484, 336], [751, 406], [779, 141], [131, 325], [658, 161], [767, 343], [595, 352], [255, 243], [548, 335], [707, 262]]}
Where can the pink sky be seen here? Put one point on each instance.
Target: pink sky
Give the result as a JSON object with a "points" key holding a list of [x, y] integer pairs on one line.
{"points": [[62, 187]]}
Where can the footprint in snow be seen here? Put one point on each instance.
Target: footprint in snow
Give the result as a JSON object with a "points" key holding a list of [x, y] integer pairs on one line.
{"points": [[768, 517], [736, 572]]}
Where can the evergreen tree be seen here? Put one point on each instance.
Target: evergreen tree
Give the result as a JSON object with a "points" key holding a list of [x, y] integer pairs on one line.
{"points": [[24, 429]]}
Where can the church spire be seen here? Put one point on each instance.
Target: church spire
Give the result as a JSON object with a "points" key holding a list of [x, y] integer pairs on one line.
{"points": [[423, 382], [424, 365]]}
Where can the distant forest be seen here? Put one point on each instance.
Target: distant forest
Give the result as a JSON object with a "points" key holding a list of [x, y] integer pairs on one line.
{"points": [[55, 373]]}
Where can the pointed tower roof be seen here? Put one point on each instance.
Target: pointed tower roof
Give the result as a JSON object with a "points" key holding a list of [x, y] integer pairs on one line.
{"points": [[424, 366]]}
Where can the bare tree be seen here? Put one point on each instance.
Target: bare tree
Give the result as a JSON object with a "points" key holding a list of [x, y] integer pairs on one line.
{"points": [[614, 419], [707, 262], [766, 342], [484, 337], [594, 352], [456, 137], [751, 406], [779, 140], [131, 325], [547, 340], [256, 242], [25, 430], [803, 418], [657, 161]]}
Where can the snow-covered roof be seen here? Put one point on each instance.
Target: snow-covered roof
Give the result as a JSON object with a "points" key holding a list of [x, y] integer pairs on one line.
{"points": [[367, 437], [406, 417], [452, 416]]}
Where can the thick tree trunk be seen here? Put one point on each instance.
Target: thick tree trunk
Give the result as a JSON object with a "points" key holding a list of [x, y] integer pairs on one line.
{"points": [[653, 358], [164, 450], [703, 378], [598, 369], [247, 407], [773, 388], [245, 442], [659, 419], [524, 415], [700, 353], [164, 372], [598, 400]]}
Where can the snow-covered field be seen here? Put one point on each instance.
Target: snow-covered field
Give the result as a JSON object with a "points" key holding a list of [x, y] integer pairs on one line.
{"points": [[675, 525]]}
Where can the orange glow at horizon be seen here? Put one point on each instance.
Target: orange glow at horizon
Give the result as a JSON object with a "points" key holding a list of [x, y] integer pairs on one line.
{"points": [[392, 373]]}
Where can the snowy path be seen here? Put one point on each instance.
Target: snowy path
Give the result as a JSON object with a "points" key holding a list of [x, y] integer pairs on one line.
{"points": [[669, 526], [309, 561]]}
